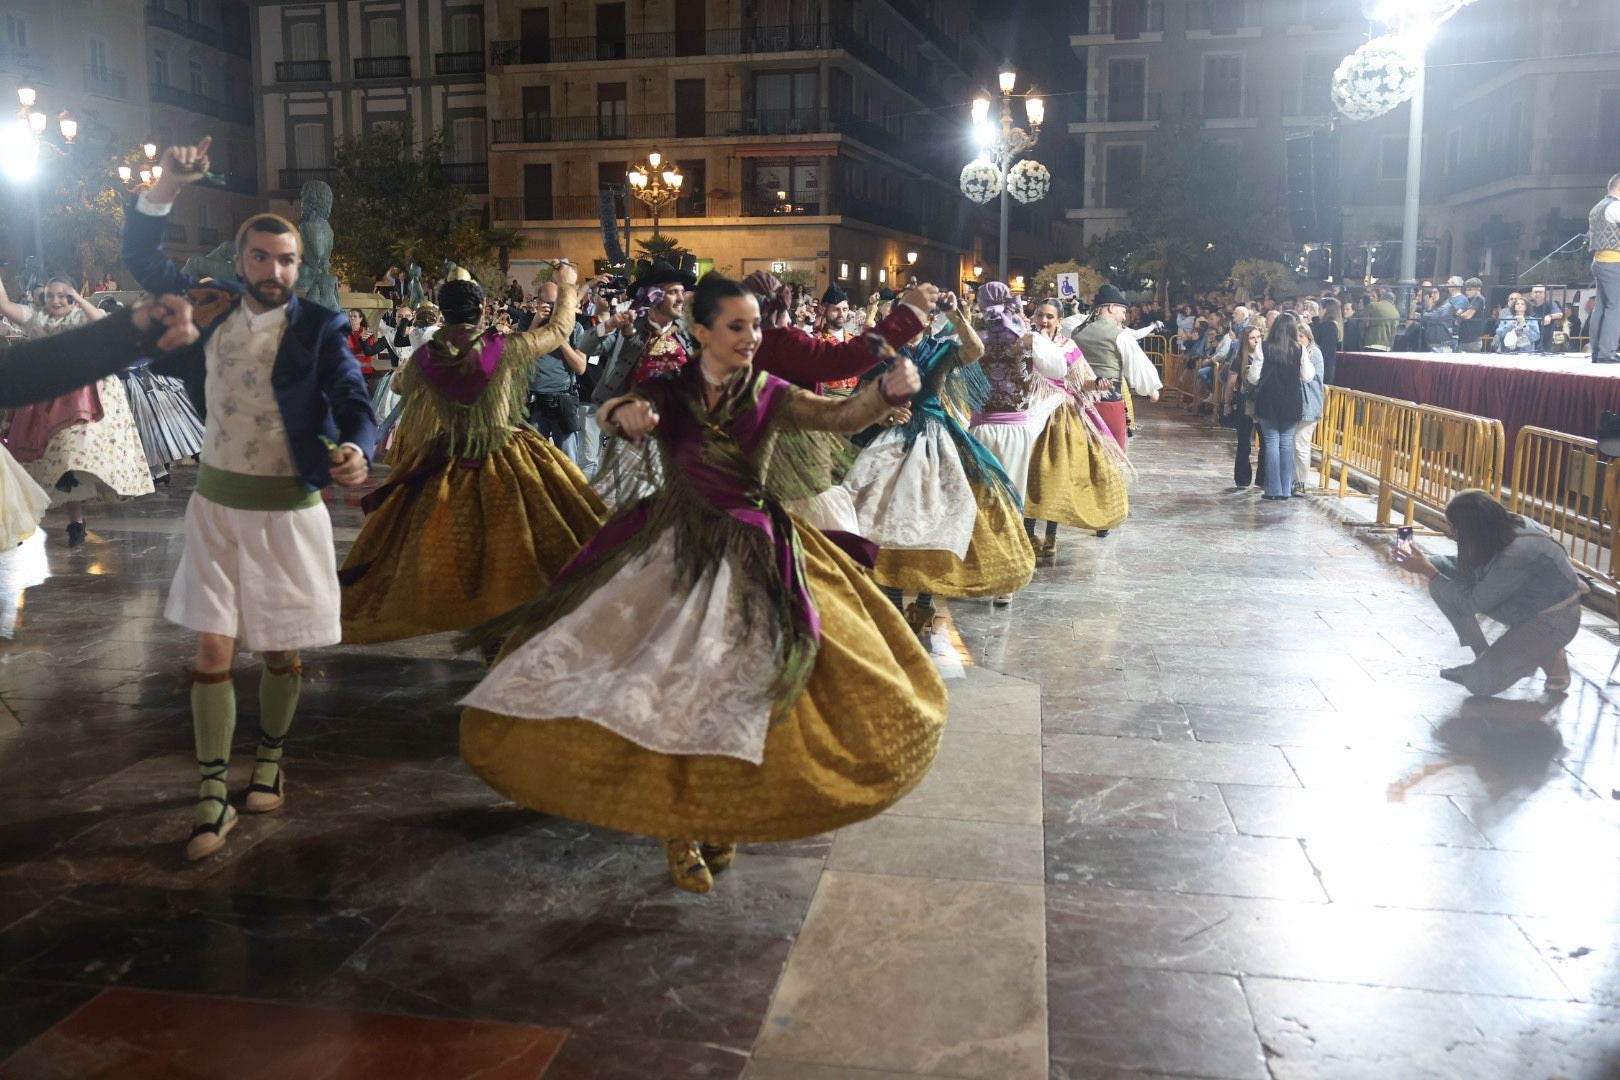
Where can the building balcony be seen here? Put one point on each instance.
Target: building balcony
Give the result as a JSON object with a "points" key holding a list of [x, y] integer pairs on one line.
{"points": [[106, 83], [1120, 112], [1576, 157], [303, 71], [1306, 106], [731, 41], [473, 175], [207, 236], [225, 40], [241, 183], [382, 67], [514, 210], [1221, 18], [163, 94], [459, 63], [932, 35], [1123, 20], [1486, 169], [293, 179], [922, 153], [1225, 109]]}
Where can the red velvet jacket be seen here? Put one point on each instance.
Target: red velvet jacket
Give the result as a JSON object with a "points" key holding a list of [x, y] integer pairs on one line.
{"points": [[806, 361]]}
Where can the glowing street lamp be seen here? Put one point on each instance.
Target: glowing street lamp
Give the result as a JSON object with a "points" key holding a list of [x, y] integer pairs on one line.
{"points": [[655, 185], [1002, 144]]}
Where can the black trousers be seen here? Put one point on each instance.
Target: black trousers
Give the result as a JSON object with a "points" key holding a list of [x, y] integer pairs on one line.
{"points": [[1243, 471]]}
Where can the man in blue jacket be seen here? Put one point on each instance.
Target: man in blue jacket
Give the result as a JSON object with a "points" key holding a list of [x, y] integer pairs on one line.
{"points": [[285, 413]]}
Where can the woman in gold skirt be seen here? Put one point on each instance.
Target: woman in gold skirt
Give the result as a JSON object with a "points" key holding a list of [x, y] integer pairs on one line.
{"points": [[1076, 470], [479, 511], [709, 669]]}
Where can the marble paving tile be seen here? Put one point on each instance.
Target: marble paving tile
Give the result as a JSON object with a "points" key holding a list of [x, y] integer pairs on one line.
{"points": [[940, 848], [790, 1070], [1179, 862], [1266, 726], [132, 1032], [1316, 1031], [951, 980], [1466, 879], [1162, 720], [607, 980], [1575, 822], [28, 1009], [1323, 942], [1584, 953], [1404, 772], [1171, 760], [1328, 813], [592, 1057], [980, 777], [1109, 1021], [1127, 803], [197, 942], [992, 703]]}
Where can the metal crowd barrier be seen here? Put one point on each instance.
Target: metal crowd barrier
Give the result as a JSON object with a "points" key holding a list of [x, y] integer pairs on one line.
{"points": [[1168, 364], [1561, 483], [1418, 454]]}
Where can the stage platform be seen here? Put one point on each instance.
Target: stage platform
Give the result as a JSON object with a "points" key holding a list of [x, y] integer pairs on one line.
{"points": [[1562, 392]]}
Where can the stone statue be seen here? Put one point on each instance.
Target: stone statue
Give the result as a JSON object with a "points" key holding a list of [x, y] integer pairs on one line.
{"points": [[413, 291], [219, 264], [315, 278], [452, 272]]}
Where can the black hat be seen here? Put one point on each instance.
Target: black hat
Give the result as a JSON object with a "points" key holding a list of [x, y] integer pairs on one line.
{"points": [[834, 295], [1107, 294], [885, 294], [461, 301], [662, 273]]}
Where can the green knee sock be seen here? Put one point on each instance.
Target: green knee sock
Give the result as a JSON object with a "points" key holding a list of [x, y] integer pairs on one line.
{"points": [[213, 722], [278, 700]]}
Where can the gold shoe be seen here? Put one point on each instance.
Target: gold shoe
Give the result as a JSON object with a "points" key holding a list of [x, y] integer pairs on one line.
{"points": [[686, 866], [718, 856], [920, 617]]}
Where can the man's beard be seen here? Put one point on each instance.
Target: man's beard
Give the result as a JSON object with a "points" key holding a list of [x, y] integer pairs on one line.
{"points": [[255, 290]]}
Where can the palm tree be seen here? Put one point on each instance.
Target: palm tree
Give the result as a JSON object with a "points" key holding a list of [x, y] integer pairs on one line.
{"points": [[505, 242]]}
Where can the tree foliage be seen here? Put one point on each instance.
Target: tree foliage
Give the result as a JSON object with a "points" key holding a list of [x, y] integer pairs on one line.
{"points": [[1197, 208], [81, 204], [393, 200], [1258, 275], [658, 246]]}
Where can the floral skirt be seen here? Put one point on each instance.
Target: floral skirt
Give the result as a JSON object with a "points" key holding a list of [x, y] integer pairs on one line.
{"points": [[104, 458], [458, 544], [1071, 481], [862, 734]]}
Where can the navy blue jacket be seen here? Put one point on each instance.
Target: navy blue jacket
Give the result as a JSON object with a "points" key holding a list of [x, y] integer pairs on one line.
{"points": [[316, 378]]}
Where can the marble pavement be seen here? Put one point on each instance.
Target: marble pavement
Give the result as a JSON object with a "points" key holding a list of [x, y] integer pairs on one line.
{"points": [[1202, 810]]}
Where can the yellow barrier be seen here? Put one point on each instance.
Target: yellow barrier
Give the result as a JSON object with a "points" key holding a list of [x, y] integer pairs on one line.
{"points": [[1434, 454], [1167, 363], [1415, 453], [1561, 483]]}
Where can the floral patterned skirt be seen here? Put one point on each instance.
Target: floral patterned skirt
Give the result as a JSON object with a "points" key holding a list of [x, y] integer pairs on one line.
{"points": [[105, 459]]}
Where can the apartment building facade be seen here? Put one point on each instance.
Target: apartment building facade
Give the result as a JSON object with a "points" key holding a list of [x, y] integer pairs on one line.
{"points": [[812, 134], [328, 71], [130, 71], [1520, 132]]}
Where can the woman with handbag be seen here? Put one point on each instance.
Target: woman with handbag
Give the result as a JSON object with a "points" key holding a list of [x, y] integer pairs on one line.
{"points": [[1517, 332], [480, 511]]}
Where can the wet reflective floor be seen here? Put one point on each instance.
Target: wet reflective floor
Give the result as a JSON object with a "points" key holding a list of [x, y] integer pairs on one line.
{"points": [[1203, 810]]}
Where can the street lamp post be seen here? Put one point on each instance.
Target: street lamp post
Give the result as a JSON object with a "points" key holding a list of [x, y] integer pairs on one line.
{"points": [[22, 143], [654, 185], [1005, 144], [1407, 286]]}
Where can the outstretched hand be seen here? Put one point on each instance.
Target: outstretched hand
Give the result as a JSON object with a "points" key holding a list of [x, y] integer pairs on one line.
{"points": [[635, 419], [900, 382], [173, 314]]}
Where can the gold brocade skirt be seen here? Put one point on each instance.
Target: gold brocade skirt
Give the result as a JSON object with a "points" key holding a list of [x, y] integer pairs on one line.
{"points": [[861, 736], [999, 558], [459, 545], [1071, 481]]}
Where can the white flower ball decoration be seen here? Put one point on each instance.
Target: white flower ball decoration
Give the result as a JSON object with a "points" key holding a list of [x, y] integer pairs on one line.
{"points": [[1029, 181], [1374, 79], [981, 181]]}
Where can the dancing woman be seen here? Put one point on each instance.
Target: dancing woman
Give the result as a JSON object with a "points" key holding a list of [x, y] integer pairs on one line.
{"points": [[707, 668], [480, 511], [939, 505], [1076, 472]]}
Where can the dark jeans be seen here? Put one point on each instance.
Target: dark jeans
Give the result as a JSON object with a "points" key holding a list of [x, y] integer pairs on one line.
{"points": [[1604, 326], [1243, 473], [550, 425]]}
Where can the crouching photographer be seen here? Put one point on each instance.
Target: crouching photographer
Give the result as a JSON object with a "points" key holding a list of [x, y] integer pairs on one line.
{"points": [[1516, 574]]}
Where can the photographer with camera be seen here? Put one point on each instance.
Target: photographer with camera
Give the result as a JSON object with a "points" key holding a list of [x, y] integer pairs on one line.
{"points": [[554, 392]]}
